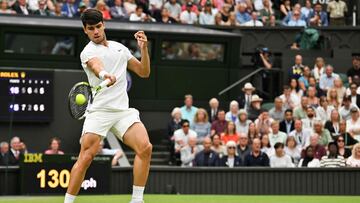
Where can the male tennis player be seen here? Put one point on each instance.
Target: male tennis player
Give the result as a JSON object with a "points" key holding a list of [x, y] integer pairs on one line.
{"points": [[103, 59]]}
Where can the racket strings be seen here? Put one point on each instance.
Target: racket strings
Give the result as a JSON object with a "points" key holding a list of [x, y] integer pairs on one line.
{"points": [[77, 110]]}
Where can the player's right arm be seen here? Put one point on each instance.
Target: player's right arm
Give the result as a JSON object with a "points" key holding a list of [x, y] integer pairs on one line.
{"points": [[97, 67]]}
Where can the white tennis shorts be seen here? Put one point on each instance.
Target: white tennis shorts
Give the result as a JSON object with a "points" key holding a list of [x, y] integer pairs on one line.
{"points": [[118, 122]]}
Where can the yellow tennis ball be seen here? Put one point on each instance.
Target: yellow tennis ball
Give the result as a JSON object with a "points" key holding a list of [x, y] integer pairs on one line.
{"points": [[80, 99]]}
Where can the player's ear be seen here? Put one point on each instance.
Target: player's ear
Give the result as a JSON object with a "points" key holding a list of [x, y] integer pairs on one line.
{"points": [[84, 29]]}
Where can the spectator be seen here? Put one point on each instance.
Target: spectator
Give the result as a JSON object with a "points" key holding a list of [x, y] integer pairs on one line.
{"points": [[327, 80], [295, 88], [300, 111], [280, 159], [253, 22], [354, 96], [21, 7], [230, 160], [265, 145], [263, 123], [290, 15], [189, 151], [69, 9], [324, 135], [42, 11], [296, 71], [333, 160], [58, 10], [181, 136], [309, 159], [276, 136], [318, 17], [230, 134], [333, 124], [307, 9], [253, 132], [244, 98], [4, 8], [54, 146], [118, 11], [272, 22], [218, 126], [173, 125], [345, 109], [217, 146], [301, 134], [319, 151], [207, 157], [324, 110], [130, 6], [188, 110], [225, 13], [287, 125], [304, 79], [233, 113], [296, 20], [266, 12], [293, 150], [337, 10], [354, 70], [207, 17], [256, 157], [188, 16], [285, 8], [255, 108], [342, 151], [15, 152], [242, 126], [354, 159], [139, 15], [348, 139], [4, 153], [333, 98], [308, 122], [115, 153], [340, 90], [81, 9], [312, 98], [290, 101], [174, 8], [353, 124], [243, 149], [194, 7], [201, 124], [231, 20], [213, 110], [319, 68], [242, 16], [278, 111], [218, 20]]}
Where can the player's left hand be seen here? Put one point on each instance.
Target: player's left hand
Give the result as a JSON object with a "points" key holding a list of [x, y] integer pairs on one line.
{"points": [[141, 39]]}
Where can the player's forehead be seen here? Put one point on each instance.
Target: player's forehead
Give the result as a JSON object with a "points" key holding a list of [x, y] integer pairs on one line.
{"points": [[97, 25]]}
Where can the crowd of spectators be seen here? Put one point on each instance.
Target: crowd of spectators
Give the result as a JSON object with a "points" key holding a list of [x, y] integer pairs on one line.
{"points": [[314, 123], [204, 12]]}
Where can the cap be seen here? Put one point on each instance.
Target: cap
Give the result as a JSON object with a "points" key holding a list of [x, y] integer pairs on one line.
{"points": [[242, 111], [82, 4]]}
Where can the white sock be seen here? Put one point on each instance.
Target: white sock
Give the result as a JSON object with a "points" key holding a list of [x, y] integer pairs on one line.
{"points": [[137, 194], [69, 198]]}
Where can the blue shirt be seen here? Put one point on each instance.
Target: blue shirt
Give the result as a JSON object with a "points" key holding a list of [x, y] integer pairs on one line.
{"points": [[327, 82], [323, 17], [299, 23], [306, 83], [188, 114], [242, 17]]}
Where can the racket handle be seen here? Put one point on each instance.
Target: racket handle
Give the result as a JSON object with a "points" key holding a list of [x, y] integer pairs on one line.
{"points": [[104, 83]]}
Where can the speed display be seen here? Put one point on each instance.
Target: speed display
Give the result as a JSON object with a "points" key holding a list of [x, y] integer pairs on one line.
{"points": [[26, 95]]}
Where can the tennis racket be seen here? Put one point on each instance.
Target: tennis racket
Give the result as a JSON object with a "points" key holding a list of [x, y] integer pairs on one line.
{"points": [[87, 93]]}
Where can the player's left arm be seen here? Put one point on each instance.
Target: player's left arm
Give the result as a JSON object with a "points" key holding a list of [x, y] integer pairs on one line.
{"points": [[141, 68]]}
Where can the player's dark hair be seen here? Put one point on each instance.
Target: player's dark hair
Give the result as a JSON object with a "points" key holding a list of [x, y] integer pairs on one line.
{"points": [[91, 17]]}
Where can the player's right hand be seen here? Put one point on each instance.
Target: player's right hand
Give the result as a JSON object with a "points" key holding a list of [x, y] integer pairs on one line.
{"points": [[111, 77]]}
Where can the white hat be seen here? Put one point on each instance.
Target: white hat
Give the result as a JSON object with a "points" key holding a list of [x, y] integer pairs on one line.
{"points": [[255, 98], [248, 86]]}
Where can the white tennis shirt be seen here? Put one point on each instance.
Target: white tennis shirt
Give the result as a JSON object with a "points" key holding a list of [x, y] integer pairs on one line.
{"points": [[115, 58]]}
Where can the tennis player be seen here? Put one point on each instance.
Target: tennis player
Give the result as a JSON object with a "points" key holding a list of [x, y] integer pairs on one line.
{"points": [[103, 59]]}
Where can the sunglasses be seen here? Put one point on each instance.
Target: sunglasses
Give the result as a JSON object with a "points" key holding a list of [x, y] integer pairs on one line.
{"points": [[340, 141], [231, 147], [185, 126]]}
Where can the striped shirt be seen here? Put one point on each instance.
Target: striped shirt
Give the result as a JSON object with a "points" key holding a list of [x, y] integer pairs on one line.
{"points": [[327, 162]]}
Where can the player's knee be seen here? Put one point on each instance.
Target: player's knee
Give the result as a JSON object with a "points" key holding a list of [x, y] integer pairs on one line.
{"points": [[146, 151], [86, 159]]}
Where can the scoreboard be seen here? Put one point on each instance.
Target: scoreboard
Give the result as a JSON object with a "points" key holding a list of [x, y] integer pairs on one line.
{"points": [[26, 95]]}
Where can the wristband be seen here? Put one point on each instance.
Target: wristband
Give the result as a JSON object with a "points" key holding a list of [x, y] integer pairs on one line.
{"points": [[102, 74]]}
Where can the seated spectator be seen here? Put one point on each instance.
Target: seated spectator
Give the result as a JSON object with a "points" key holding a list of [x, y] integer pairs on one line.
{"points": [[242, 15], [189, 151], [263, 123], [21, 7], [233, 113], [314, 84], [285, 8], [293, 150], [4, 8], [312, 98], [265, 145], [243, 148], [218, 126], [115, 153], [272, 22], [4, 153], [318, 150], [354, 159], [354, 95], [15, 152], [301, 135], [319, 68], [207, 17], [244, 98], [256, 157], [230, 134], [280, 159], [323, 112], [188, 16], [308, 122], [194, 7], [225, 13], [290, 101], [276, 136], [201, 124], [57, 11], [353, 124], [333, 98], [340, 90], [266, 12], [140, 16], [337, 10], [307, 10], [342, 151], [81, 9], [230, 160], [255, 108], [296, 71], [206, 157], [253, 22], [69, 8], [333, 125], [309, 159], [287, 125], [278, 111], [295, 87], [54, 146], [213, 109], [324, 135], [345, 109], [218, 20], [327, 80], [174, 9], [300, 111], [173, 125], [354, 70], [348, 139], [333, 160], [318, 17], [296, 20], [242, 125], [303, 82], [130, 6], [42, 11], [296, 8], [118, 11], [217, 146], [181, 135], [188, 110]]}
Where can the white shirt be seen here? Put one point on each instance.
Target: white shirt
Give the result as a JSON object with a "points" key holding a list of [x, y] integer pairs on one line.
{"points": [[322, 114], [134, 17], [253, 23], [115, 58], [230, 162], [302, 138], [353, 162], [294, 99], [157, 3], [180, 135], [207, 18], [281, 162], [345, 113], [351, 125], [315, 163], [188, 17]]}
